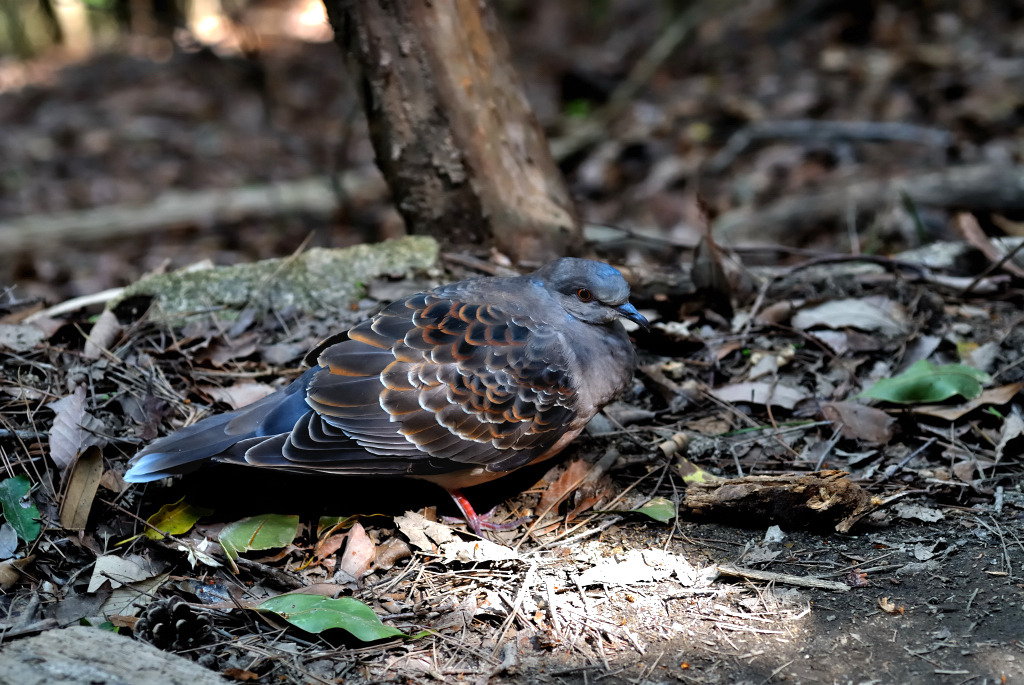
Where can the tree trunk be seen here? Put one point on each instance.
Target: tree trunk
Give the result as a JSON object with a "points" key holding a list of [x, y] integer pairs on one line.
{"points": [[454, 136]]}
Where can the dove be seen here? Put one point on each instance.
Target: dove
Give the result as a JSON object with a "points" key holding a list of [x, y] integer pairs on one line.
{"points": [[458, 385]]}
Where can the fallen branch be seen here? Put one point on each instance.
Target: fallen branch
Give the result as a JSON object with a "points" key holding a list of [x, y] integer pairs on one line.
{"points": [[783, 578], [822, 498], [175, 209], [988, 187], [816, 130]]}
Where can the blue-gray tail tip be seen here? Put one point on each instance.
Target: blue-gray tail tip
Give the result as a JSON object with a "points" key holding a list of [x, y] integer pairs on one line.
{"points": [[142, 470]]}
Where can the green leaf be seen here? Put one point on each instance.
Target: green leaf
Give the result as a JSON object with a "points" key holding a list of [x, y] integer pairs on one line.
{"points": [[175, 519], [659, 509], [692, 473], [578, 109], [332, 523], [19, 512], [266, 531], [924, 382], [315, 614]]}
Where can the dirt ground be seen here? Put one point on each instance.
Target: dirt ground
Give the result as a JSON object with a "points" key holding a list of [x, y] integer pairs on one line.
{"points": [[952, 619]]}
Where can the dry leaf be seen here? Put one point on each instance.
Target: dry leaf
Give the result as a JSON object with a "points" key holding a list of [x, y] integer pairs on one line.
{"points": [[1012, 429], [113, 481], [322, 589], [20, 337], [760, 393], [965, 470], [10, 571], [73, 429], [220, 352], [82, 485], [329, 545], [973, 233], [66, 433], [120, 571], [423, 534], [575, 472], [778, 312], [875, 314], [240, 674], [857, 421], [119, 621], [102, 335], [359, 553], [992, 396], [238, 395], [469, 551], [390, 552]]}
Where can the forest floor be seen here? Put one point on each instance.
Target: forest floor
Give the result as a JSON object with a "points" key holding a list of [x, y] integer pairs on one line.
{"points": [[757, 372]]}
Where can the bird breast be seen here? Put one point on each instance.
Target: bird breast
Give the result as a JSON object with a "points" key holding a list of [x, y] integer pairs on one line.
{"points": [[607, 359]]}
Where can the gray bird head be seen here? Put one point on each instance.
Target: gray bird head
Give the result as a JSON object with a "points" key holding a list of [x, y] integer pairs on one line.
{"points": [[591, 291]]}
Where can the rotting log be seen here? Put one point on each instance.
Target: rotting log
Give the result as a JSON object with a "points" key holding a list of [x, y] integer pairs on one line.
{"points": [[819, 499], [453, 133]]}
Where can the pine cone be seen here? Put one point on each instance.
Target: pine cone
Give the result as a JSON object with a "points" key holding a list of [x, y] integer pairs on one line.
{"points": [[171, 624]]}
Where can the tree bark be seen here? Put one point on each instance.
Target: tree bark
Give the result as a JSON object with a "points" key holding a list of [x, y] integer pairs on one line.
{"points": [[453, 133]]}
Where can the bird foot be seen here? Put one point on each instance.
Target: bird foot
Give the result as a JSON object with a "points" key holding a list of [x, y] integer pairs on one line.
{"points": [[477, 523]]}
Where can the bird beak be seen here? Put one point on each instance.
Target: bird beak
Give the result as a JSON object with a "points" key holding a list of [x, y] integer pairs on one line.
{"points": [[628, 311]]}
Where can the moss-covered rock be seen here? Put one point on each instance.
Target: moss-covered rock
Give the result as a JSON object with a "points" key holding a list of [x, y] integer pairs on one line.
{"points": [[316, 280]]}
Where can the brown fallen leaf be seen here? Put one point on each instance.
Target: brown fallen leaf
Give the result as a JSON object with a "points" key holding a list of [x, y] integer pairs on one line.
{"points": [[992, 396], [858, 421], [423, 533], [82, 485], [240, 674], [779, 311], [102, 335], [390, 552], [327, 546], [322, 589], [119, 621], [973, 233], [575, 472], [708, 275], [73, 429], [965, 470], [10, 571], [359, 552], [112, 480]]}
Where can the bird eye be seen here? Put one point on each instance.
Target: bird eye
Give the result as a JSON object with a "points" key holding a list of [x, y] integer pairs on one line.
{"points": [[584, 295]]}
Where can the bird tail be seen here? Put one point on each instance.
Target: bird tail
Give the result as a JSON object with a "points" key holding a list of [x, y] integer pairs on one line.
{"points": [[186, 449]]}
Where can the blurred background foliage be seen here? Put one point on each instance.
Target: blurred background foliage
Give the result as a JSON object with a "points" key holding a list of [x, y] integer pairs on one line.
{"points": [[29, 28]]}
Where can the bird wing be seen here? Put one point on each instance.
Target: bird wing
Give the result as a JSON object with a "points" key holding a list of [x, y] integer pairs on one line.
{"points": [[430, 385]]}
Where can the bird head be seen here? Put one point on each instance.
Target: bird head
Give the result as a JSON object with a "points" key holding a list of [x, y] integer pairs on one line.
{"points": [[590, 291]]}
